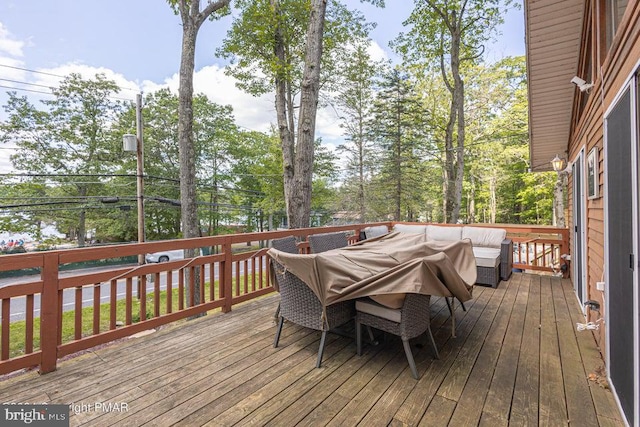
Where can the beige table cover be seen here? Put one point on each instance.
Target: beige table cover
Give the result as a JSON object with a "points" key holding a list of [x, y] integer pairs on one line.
{"points": [[396, 263]]}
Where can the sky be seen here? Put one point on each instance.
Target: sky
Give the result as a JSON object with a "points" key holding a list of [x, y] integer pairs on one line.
{"points": [[137, 44]]}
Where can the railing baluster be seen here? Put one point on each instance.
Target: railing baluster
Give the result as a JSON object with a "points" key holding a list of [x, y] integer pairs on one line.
{"points": [[245, 264], [169, 291], [212, 282], [6, 323], [142, 284], [253, 273], [113, 304], [128, 301], [181, 289], [237, 277], [28, 340], [156, 295], [192, 287], [78, 312], [96, 308], [202, 286]]}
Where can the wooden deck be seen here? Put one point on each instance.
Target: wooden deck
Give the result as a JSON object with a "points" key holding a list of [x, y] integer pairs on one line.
{"points": [[517, 359]]}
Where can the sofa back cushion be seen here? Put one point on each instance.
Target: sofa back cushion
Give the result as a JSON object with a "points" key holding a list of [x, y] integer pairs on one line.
{"points": [[375, 231], [410, 228], [485, 237], [443, 233]]}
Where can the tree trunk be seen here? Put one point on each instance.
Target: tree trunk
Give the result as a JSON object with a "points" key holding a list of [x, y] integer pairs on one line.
{"points": [[458, 105], [192, 19], [284, 110], [493, 202], [300, 193], [558, 200], [472, 200], [361, 200]]}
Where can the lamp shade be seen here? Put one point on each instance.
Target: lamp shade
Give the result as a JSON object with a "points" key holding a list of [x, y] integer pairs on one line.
{"points": [[557, 163], [129, 142]]}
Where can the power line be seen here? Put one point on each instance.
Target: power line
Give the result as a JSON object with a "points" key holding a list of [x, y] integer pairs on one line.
{"points": [[25, 83], [31, 71], [51, 74], [26, 90]]}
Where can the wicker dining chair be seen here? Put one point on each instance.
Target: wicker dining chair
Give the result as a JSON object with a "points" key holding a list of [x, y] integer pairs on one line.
{"points": [[298, 304], [285, 244], [327, 241], [408, 322]]}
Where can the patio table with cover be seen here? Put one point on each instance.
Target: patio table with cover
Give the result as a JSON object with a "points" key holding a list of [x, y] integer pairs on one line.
{"points": [[385, 268]]}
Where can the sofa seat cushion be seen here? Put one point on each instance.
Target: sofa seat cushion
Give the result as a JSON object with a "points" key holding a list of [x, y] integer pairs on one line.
{"points": [[375, 231], [410, 228], [367, 305], [485, 237], [486, 257], [444, 233]]}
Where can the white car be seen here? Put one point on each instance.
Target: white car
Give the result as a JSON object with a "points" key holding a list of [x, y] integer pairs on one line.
{"points": [[164, 256]]}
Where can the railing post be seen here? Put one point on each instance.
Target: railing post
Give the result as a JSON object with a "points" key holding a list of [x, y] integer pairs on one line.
{"points": [[226, 276], [565, 249], [49, 315]]}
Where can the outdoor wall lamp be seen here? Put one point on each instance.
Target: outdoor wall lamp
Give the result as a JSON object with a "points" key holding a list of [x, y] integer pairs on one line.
{"points": [[557, 163]]}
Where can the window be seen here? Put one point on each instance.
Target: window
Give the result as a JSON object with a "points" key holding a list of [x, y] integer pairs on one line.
{"points": [[615, 11]]}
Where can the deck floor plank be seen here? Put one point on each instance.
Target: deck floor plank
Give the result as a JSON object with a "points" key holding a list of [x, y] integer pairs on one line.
{"points": [[471, 402], [517, 360], [602, 398], [414, 406], [387, 406], [580, 408], [500, 394], [524, 405], [552, 406]]}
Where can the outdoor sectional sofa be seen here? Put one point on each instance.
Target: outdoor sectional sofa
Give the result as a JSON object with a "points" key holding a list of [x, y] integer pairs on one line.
{"points": [[492, 250]]}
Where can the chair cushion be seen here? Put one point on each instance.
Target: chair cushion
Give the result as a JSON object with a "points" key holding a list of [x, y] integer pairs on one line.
{"points": [[486, 257], [375, 231], [367, 305], [389, 300], [449, 234], [410, 228], [486, 237]]}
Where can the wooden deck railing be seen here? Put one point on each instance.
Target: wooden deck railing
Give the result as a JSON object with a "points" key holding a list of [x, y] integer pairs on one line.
{"points": [[121, 301]]}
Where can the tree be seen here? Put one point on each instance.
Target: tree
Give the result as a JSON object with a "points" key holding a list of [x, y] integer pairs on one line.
{"points": [[453, 31], [192, 18], [268, 54], [356, 99], [70, 138], [398, 126], [22, 206]]}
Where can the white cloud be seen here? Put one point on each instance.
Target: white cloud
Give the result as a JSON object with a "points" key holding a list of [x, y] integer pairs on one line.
{"points": [[8, 45], [129, 88], [254, 113], [376, 52]]}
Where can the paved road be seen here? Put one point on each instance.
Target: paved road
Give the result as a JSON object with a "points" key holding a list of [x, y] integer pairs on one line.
{"points": [[17, 311]]}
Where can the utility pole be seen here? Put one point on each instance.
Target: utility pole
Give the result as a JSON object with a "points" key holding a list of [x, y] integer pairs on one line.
{"points": [[135, 143], [140, 174]]}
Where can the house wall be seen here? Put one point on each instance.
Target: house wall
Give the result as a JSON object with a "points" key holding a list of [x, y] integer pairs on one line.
{"points": [[588, 131]]}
